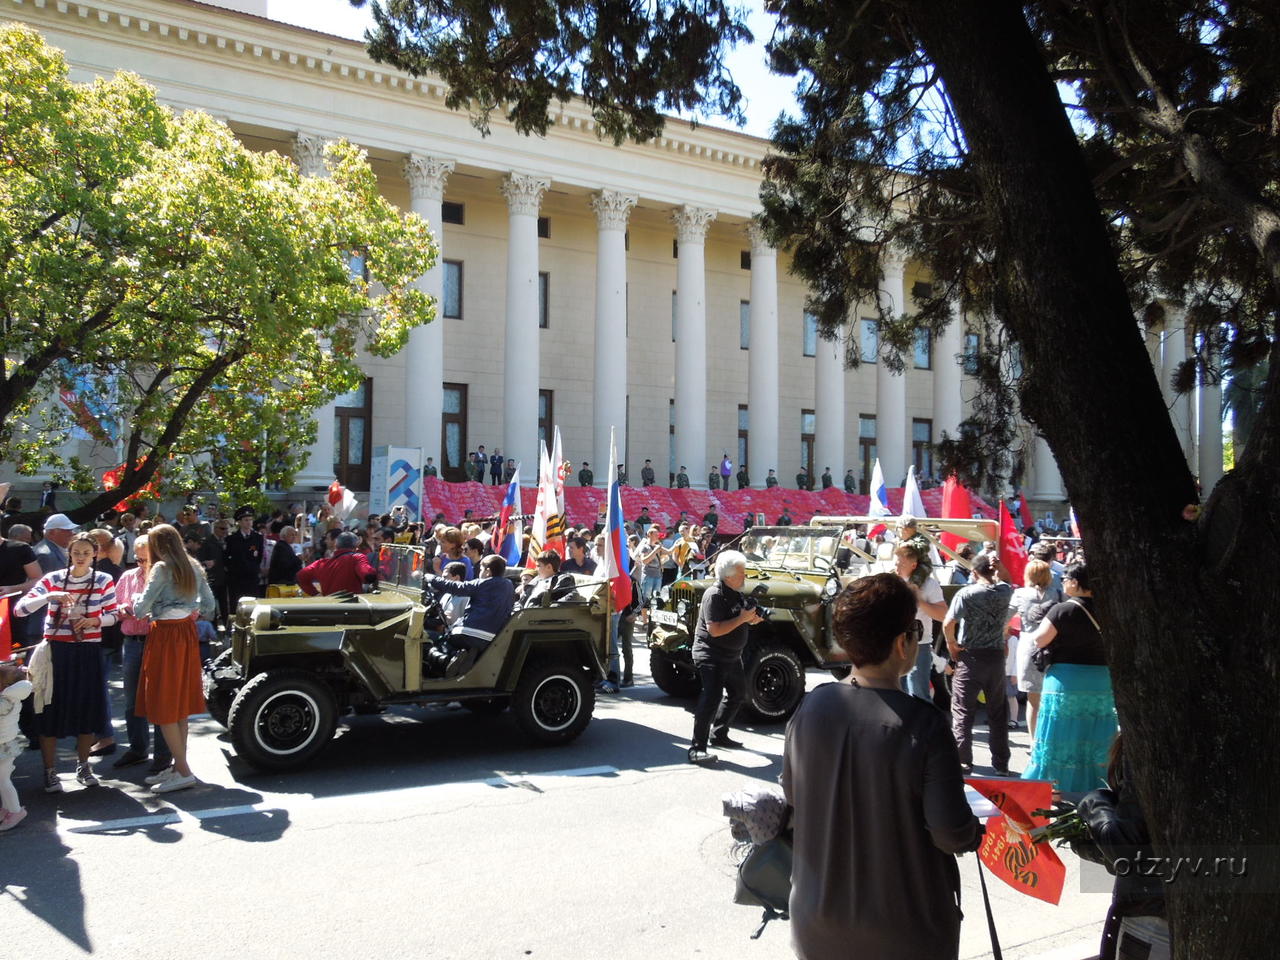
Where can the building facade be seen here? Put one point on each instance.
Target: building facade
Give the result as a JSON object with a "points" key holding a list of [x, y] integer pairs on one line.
{"points": [[579, 283]]}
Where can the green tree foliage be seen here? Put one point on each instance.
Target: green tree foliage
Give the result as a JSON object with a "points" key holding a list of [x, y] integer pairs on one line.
{"points": [[200, 290]]}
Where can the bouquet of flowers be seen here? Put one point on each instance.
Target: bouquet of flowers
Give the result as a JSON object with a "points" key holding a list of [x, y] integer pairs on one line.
{"points": [[1064, 826]]}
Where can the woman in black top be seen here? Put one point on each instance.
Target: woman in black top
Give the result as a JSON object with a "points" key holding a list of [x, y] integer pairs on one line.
{"points": [[1077, 720], [873, 774]]}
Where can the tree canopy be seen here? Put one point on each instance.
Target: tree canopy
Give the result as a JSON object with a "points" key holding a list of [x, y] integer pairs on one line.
{"points": [[196, 294]]}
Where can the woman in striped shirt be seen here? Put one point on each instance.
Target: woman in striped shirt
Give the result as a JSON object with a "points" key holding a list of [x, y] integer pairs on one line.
{"points": [[81, 600]]}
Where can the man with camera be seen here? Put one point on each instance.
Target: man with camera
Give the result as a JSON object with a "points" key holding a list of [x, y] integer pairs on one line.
{"points": [[724, 621]]}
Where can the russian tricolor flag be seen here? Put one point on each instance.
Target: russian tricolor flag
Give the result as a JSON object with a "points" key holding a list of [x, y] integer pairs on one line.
{"points": [[617, 558], [879, 505], [508, 533]]}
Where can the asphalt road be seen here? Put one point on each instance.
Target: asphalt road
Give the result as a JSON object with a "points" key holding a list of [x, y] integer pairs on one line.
{"points": [[433, 833]]}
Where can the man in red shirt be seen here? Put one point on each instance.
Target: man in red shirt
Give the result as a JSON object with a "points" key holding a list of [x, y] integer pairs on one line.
{"points": [[346, 571]]}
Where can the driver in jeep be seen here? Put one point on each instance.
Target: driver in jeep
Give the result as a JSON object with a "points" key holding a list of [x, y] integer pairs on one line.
{"points": [[490, 600]]}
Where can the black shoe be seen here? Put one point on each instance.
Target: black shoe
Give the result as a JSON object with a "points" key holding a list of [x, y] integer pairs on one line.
{"points": [[628, 680], [159, 766], [129, 758], [699, 755], [724, 740], [1003, 772], [460, 664], [966, 768]]}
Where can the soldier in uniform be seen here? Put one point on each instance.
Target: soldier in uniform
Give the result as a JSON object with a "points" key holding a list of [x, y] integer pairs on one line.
{"points": [[826, 478], [785, 519], [646, 474], [585, 477], [850, 484], [771, 480], [802, 480], [509, 470], [682, 479], [622, 474], [909, 536], [713, 480], [744, 478], [430, 469]]}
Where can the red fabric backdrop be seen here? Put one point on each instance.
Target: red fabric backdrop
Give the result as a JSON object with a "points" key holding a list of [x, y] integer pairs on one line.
{"points": [[584, 504]]}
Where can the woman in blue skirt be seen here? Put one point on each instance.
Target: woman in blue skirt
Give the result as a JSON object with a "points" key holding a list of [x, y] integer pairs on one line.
{"points": [[1077, 719]]}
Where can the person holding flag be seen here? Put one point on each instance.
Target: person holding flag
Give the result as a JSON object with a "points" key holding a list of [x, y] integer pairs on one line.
{"points": [[615, 564], [508, 535]]}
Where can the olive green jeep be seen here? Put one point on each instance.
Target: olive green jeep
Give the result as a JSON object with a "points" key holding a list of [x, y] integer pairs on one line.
{"points": [[793, 573], [294, 666]]}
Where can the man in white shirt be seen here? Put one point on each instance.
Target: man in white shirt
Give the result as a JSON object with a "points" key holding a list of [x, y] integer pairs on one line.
{"points": [[930, 606]]}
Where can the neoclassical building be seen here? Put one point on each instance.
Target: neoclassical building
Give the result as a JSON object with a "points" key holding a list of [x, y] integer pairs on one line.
{"points": [[579, 283]]}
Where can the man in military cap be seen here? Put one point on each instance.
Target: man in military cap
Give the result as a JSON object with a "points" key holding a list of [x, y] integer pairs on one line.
{"points": [[771, 480], [802, 480], [744, 478], [910, 536], [826, 478], [850, 483], [243, 557], [646, 474], [682, 479], [713, 480], [585, 477]]}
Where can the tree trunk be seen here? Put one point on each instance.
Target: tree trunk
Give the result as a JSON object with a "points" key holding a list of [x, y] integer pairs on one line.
{"points": [[1189, 610]]}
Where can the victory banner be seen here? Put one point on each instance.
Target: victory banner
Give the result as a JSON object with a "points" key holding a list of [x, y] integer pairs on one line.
{"points": [[1007, 849], [395, 479]]}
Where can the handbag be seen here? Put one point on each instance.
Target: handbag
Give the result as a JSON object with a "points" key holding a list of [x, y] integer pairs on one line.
{"points": [[764, 879], [1042, 658]]}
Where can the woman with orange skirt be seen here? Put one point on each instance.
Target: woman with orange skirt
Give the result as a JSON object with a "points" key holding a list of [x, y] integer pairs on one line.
{"points": [[169, 688]]}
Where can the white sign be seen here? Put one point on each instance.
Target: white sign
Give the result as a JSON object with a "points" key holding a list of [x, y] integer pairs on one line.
{"points": [[395, 480]]}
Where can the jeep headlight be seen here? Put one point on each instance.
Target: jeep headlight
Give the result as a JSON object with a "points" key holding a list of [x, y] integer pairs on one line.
{"points": [[682, 609], [261, 618], [831, 588]]}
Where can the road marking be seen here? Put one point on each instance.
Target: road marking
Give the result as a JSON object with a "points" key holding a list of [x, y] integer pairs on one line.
{"points": [[533, 782]]}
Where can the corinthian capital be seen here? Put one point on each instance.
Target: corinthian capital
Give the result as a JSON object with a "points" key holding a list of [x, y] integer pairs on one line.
{"points": [[308, 154], [760, 245], [612, 209], [692, 223], [426, 176], [524, 192]]}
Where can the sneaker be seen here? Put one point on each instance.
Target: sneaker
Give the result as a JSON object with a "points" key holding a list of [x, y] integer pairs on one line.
{"points": [[130, 758], [724, 740], [175, 782], [700, 755], [160, 777], [607, 686], [51, 782], [84, 775], [12, 818]]}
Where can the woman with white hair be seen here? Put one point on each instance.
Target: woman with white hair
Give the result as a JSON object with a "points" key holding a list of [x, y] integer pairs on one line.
{"points": [[724, 620]]}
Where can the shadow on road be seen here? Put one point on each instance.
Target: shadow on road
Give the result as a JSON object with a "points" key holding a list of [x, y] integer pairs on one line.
{"points": [[38, 875]]}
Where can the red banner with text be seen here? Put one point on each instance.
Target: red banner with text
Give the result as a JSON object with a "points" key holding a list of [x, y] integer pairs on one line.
{"points": [[1007, 849]]}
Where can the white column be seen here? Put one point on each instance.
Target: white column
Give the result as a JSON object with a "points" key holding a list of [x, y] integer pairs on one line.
{"points": [[308, 152], [1048, 485], [610, 392], [692, 224], [1209, 436], [1175, 353], [947, 405], [891, 388], [521, 372], [762, 358], [828, 408], [424, 353]]}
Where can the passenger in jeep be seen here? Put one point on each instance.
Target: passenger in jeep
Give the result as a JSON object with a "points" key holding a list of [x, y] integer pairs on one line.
{"points": [[490, 601]]}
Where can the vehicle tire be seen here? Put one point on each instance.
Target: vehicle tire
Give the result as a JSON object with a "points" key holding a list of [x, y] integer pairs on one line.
{"points": [[673, 677], [553, 700], [775, 682], [281, 719], [219, 702], [487, 706]]}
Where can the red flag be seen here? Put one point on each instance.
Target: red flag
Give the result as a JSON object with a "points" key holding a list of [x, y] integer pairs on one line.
{"points": [[955, 505], [6, 630], [1013, 548], [1007, 849]]}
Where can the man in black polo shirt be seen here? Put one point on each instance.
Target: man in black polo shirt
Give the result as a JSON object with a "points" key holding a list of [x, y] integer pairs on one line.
{"points": [[724, 621]]}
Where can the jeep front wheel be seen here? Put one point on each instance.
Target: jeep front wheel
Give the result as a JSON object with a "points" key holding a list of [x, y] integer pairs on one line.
{"points": [[673, 678], [553, 701], [775, 682], [281, 719]]}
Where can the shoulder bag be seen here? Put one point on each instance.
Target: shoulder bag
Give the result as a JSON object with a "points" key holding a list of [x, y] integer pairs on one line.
{"points": [[1042, 658]]}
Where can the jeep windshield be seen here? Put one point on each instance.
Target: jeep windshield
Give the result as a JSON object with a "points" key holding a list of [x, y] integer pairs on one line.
{"points": [[401, 566], [791, 548]]}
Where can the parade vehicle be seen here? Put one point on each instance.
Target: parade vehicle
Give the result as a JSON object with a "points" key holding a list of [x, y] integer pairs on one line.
{"points": [[793, 574], [295, 666]]}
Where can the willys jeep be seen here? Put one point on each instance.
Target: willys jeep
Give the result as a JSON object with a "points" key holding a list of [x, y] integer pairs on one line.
{"points": [[294, 666], [793, 573]]}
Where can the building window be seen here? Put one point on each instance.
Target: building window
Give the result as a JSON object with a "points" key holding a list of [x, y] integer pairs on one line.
{"points": [[352, 436], [671, 443], [810, 335], [744, 324], [546, 416], [969, 359], [866, 448], [544, 228], [923, 349], [675, 249], [358, 265], [455, 213], [808, 426], [544, 300], [744, 260], [673, 316], [452, 305], [453, 433], [744, 426], [921, 290], [922, 447], [869, 339]]}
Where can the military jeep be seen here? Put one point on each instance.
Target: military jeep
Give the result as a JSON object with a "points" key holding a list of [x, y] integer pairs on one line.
{"points": [[294, 666], [793, 573]]}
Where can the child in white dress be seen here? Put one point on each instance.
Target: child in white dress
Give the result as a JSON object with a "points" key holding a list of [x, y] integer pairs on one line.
{"points": [[14, 688]]}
